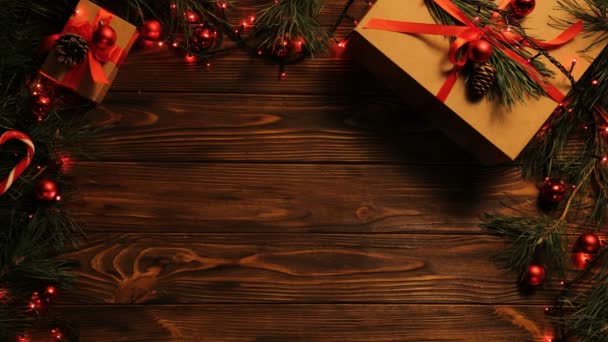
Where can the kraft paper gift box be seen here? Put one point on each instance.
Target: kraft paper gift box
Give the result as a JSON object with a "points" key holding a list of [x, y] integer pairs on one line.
{"points": [[93, 77], [416, 66]]}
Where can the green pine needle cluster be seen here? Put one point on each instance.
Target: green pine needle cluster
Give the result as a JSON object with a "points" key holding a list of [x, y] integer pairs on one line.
{"points": [[291, 20]]}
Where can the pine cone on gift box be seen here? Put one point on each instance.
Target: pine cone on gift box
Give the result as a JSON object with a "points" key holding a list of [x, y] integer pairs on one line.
{"points": [[71, 49], [481, 80]]}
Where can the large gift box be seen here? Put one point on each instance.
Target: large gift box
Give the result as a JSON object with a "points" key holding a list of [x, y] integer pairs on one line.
{"points": [[416, 65], [89, 51]]}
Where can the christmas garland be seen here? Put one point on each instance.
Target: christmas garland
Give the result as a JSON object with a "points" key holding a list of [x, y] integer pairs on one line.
{"points": [[563, 243], [44, 127]]}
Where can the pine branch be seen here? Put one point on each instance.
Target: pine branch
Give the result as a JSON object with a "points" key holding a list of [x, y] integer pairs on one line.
{"points": [[291, 19]]}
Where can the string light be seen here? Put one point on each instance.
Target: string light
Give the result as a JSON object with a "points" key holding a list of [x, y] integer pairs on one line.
{"points": [[161, 43], [57, 334], [175, 44], [594, 82]]}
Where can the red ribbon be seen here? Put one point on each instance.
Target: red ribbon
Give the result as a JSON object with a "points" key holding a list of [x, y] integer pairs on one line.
{"points": [[470, 32], [96, 56]]}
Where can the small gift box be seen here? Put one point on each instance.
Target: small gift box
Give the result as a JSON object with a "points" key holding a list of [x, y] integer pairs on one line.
{"points": [[89, 51], [400, 42]]}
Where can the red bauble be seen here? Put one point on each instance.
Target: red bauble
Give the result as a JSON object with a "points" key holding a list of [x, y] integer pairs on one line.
{"points": [[104, 37], [41, 104], [480, 51], [283, 47], [588, 243], [535, 275], [46, 190], [522, 8], [553, 191], [204, 37], [150, 30]]}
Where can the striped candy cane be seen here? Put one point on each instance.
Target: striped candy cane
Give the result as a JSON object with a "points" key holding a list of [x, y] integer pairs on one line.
{"points": [[23, 163]]}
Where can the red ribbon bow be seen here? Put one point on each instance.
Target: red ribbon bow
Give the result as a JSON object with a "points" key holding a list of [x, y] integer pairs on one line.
{"points": [[471, 32], [96, 56]]}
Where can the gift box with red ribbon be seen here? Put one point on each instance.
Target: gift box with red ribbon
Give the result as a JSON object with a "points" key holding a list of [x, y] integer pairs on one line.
{"points": [[89, 51], [422, 60]]}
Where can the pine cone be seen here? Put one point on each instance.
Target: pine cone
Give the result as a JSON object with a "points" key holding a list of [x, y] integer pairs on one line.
{"points": [[481, 79], [71, 49]]}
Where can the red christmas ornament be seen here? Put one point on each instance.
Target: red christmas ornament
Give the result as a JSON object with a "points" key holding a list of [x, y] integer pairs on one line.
{"points": [[553, 191], [522, 8], [535, 275], [104, 36], [480, 51], [46, 190], [588, 243], [204, 37], [151, 30], [283, 47], [41, 104]]}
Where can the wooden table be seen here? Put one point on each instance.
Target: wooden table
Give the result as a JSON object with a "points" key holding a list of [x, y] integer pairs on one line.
{"points": [[227, 205]]}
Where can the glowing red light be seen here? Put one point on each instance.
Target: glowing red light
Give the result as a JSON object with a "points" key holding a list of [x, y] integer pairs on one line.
{"points": [[252, 18], [604, 160], [190, 58], [283, 75], [175, 44], [77, 11], [208, 65], [260, 52], [561, 283], [29, 216], [38, 85], [595, 82], [508, 29], [58, 198], [173, 6], [50, 290], [341, 44], [477, 18], [161, 43]]}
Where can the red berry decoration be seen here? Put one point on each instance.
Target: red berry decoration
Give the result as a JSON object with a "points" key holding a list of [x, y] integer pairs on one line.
{"points": [[283, 47], [46, 190], [588, 243], [150, 30], [204, 37], [104, 36], [522, 8], [41, 104], [535, 275], [480, 51], [553, 191]]}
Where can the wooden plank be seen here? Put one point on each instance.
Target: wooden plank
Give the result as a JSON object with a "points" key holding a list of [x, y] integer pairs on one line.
{"points": [[294, 268], [162, 70], [191, 197], [266, 323], [286, 128]]}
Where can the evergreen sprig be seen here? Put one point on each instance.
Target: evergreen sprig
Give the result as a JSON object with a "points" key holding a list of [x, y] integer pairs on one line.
{"points": [[291, 20]]}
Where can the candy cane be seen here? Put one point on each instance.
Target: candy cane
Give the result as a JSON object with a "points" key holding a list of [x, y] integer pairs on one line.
{"points": [[23, 163]]}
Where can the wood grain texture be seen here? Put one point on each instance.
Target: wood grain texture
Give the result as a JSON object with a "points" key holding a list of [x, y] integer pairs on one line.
{"points": [[284, 128], [191, 197], [274, 323], [293, 268]]}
